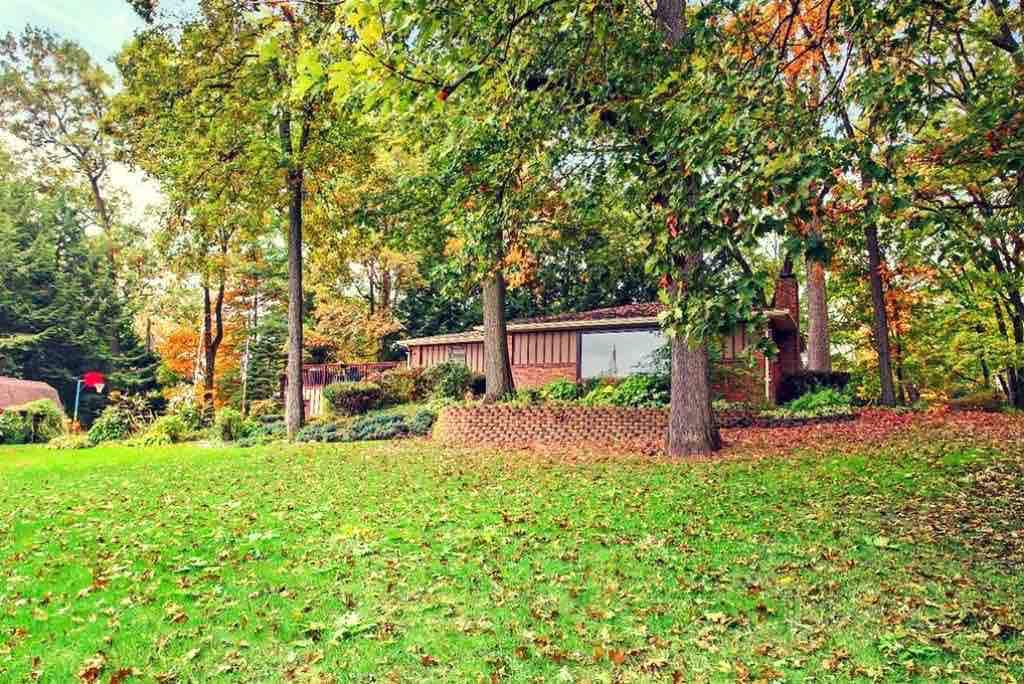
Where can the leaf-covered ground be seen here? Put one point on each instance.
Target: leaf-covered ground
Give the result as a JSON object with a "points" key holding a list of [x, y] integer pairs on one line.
{"points": [[405, 562]]}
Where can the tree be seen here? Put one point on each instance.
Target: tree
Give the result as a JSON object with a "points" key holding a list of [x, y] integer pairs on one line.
{"points": [[58, 311], [53, 98], [230, 84]]}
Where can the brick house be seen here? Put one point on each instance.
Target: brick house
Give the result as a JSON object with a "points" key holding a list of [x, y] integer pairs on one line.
{"points": [[618, 341]]}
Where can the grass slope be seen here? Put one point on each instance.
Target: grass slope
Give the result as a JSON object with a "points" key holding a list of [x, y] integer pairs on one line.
{"points": [[409, 563]]}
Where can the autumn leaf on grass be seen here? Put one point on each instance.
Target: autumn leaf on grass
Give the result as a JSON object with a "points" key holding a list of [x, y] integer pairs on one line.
{"points": [[93, 668], [175, 613], [351, 625], [121, 675], [880, 542]]}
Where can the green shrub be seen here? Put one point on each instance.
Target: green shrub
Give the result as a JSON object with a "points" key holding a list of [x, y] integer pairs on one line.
{"points": [[36, 422], [229, 424], [449, 380], [422, 423], [263, 408], [403, 385], [819, 399], [261, 432], [824, 411], [136, 410], [378, 427], [639, 390], [13, 429], [796, 385], [68, 442], [169, 429], [560, 390], [979, 401], [189, 411], [526, 396], [115, 423], [353, 398], [601, 395], [43, 418], [322, 432]]}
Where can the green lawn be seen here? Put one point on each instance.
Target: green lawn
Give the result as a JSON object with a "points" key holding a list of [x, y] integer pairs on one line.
{"points": [[405, 562]]}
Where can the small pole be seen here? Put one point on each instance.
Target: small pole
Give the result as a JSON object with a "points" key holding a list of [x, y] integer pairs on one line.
{"points": [[78, 393]]}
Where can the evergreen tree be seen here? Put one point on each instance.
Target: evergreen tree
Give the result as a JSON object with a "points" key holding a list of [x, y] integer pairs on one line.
{"points": [[57, 301]]}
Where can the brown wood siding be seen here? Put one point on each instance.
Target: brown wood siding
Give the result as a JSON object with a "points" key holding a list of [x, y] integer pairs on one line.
{"points": [[427, 355], [543, 348]]}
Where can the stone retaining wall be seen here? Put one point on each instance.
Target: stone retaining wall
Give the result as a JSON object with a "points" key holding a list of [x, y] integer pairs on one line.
{"points": [[568, 425]]}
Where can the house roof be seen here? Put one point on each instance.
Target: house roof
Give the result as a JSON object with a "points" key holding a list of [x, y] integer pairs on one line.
{"points": [[628, 316], [15, 392], [643, 310]]}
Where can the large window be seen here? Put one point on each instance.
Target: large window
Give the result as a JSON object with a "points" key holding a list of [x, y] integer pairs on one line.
{"points": [[618, 354]]}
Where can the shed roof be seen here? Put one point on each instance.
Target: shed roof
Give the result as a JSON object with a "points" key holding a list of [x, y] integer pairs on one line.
{"points": [[15, 392]]}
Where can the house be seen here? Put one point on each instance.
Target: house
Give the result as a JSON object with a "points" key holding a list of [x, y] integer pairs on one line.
{"points": [[620, 340], [16, 392]]}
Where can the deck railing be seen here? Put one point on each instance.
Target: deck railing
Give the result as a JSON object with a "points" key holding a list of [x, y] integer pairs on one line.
{"points": [[317, 376]]}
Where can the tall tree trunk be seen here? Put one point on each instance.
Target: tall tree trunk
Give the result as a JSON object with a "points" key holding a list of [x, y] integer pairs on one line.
{"points": [[1010, 382], [692, 430], [497, 369], [819, 352], [247, 355], [213, 335], [294, 408], [880, 324]]}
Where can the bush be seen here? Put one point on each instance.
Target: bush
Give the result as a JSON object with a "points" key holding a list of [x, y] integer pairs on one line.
{"points": [[68, 442], [36, 422], [403, 385], [449, 380], [263, 432], [378, 427], [478, 384], [322, 432], [526, 396], [796, 385], [115, 423], [262, 408], [819, 399], [979, 401], [229, 425], [560, 390], [190, 412], [600, 395], [169, 429], [422, 423], [353, 398], [13, 429], [641, 389], [135, 409]]}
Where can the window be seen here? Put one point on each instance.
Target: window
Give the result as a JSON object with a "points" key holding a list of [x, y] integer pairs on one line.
{"points": [[618, 354], [457, 353]]}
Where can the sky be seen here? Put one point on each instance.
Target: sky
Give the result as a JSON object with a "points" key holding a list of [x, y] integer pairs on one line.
{"points": [[102, 27]]}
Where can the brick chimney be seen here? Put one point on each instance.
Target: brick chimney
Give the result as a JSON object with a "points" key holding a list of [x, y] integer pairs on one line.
{"points": [[787, 292]]}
